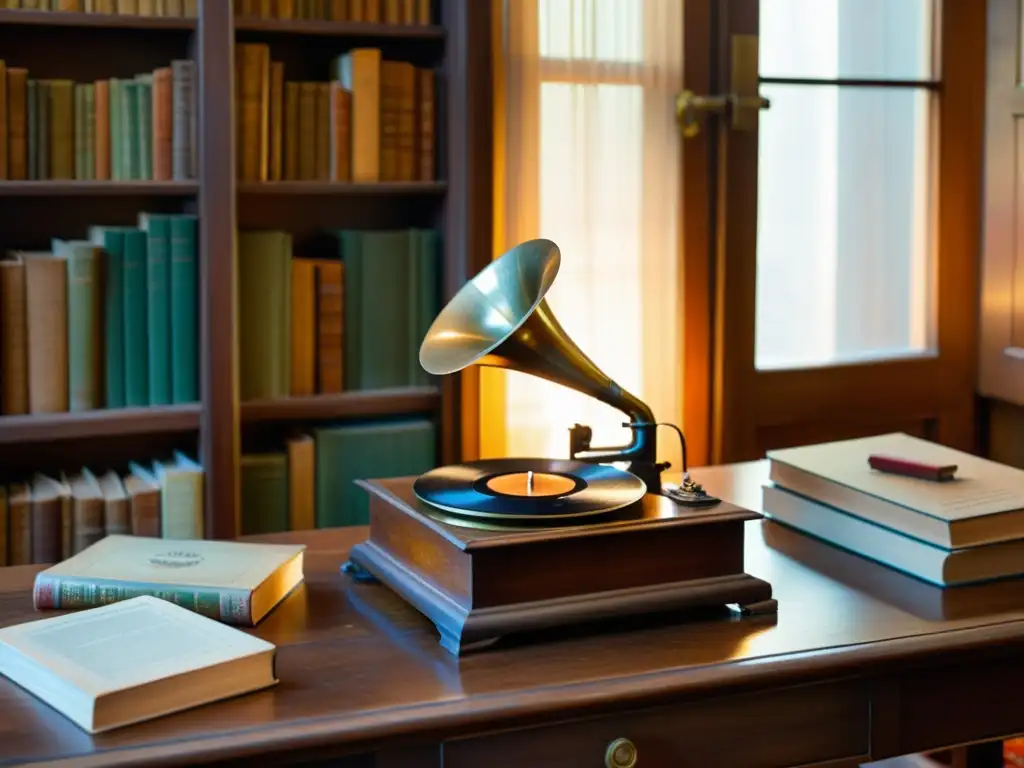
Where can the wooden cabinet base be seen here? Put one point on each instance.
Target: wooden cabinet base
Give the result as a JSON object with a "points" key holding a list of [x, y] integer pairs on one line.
{"points": [[479, 586]]}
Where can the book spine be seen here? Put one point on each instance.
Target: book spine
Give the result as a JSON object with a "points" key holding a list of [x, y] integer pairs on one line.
{"points": [[230, 606]]}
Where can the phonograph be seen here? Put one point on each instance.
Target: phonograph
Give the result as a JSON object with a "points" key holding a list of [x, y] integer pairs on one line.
{"points": [[496, 547]]}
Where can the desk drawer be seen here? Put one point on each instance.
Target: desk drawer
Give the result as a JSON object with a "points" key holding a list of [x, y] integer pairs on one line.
{"points": [[792, 727]]}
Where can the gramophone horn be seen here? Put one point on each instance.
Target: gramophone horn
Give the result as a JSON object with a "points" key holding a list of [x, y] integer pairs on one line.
{"points": [[501, 319], [490, 308]]}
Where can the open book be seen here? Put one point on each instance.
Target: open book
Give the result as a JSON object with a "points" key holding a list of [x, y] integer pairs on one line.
{"points": [[132, 661]]}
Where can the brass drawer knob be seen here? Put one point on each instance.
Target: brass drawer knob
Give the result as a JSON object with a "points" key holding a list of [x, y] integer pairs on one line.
{"points": [[621, 753]]}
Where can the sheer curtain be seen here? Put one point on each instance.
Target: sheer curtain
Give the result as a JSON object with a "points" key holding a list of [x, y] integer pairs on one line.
{"points": [[587, 156]]}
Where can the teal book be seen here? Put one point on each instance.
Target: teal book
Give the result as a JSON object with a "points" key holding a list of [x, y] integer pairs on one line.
{"points": [[365, 451], [184, 310], [111, 240], [84, 318], [136, 323], [264, 483], [157, 227]]}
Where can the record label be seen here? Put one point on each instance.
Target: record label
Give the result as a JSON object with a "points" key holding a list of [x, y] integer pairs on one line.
{"points": [[529, 489]]}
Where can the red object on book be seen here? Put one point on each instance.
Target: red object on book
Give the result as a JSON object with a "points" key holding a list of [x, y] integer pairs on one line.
{"points": [[897, 466]]}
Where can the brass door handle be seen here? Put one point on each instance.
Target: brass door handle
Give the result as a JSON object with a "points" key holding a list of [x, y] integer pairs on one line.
{"points": [[690, 107]]}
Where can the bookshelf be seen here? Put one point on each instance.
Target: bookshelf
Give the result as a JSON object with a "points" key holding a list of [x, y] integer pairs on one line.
{"points": [[456, 203]]}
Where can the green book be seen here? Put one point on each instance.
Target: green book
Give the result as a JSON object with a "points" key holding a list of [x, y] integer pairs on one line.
{"points": [[264, 483], [43, 129], [111, 240], [351, 253], [116, 137], [157, 227], [264, 314], [89, 131], [424, 297], [129, 130], [365, 451], [85, 327], [143, 128], [385, 342], [184, 310], [136, 314]]}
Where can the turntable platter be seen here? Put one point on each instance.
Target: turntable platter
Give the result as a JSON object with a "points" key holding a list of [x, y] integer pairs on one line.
{"points": [[528, 490]]}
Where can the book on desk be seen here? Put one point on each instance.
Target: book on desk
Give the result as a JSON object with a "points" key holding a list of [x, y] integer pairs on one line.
{"points": [[961, 528], [151, 635]]}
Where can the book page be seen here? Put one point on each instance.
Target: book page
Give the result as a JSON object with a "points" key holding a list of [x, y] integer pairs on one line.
{"points": [[981, 487], [128, 643], [192, 563]]}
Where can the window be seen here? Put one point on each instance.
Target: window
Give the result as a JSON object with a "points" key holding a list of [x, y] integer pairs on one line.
{"points": [[845, 259], [591, 162]]}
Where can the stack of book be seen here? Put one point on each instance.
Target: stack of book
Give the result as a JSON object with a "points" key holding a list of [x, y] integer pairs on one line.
{"points": [[963, 529]]}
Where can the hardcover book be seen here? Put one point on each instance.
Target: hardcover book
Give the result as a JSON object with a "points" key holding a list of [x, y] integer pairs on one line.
{"points": [[233, 582]]}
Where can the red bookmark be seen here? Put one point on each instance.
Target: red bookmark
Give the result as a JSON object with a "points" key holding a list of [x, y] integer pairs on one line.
{"points": [[908, 468]]}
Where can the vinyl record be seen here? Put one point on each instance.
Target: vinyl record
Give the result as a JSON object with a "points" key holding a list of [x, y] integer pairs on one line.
{"points": [[529, 489]]}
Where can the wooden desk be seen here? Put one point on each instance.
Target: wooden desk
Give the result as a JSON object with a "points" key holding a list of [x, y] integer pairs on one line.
{"points": [[859, 662]]}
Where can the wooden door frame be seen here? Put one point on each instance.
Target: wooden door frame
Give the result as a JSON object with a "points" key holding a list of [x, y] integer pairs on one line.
{"points": [[725, 400], [1001, 361]]}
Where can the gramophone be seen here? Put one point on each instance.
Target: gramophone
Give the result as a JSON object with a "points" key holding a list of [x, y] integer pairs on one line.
{"points": [[496, 547]]}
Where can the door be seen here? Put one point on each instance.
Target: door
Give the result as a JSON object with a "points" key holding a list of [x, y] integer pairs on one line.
{"points": [[1002, 294], [830, 235]]}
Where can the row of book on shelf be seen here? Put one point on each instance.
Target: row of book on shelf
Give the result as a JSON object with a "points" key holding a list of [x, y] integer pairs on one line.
{"points": [[180, 8], [321, 326], [371, 120], [943, 516], [117, 129], [51, 516], [372, 11], [108, 321], [308, 483]]}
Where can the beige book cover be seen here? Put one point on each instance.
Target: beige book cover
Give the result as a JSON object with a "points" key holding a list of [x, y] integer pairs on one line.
{"points": [[234, 582], [132, 661], [983, 504]]}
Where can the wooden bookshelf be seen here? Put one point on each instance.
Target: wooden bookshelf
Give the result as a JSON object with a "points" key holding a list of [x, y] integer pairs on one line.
{"points": [[384, 402], [98, 188], [342, 188], [99, 423], [361, 31], [95, 20], [87, 46]]}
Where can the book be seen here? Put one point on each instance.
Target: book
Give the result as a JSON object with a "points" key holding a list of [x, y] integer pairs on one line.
{"points": [[984, 504], [233, 582], [132, 661], [935, 565]]}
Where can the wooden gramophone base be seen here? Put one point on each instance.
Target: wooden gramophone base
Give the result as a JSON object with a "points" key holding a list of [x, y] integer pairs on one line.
{"points": [[480, 586]]}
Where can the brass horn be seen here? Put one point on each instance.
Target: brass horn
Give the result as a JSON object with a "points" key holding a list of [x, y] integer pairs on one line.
{"points": [[501, 319]]}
